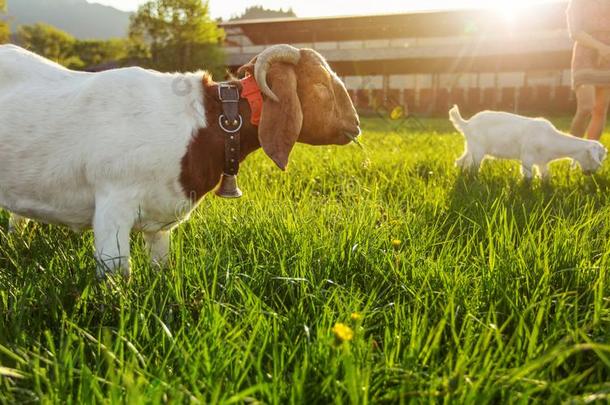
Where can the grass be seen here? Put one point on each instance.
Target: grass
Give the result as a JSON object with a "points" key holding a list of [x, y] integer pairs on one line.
{"points": [[498, 291]]}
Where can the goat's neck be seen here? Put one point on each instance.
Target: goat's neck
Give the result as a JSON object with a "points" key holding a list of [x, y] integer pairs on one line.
{"points": [[568, 146], [203, 164]]}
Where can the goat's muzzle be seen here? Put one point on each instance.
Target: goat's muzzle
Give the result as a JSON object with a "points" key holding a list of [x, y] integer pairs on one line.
{"points": [[353, 135]]}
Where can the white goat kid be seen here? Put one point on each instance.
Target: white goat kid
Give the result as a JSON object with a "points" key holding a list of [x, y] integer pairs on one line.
{"points": [[533, 141]]}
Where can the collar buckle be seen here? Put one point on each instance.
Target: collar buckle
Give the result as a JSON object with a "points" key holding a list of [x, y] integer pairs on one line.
{"points": [[228, 93]]}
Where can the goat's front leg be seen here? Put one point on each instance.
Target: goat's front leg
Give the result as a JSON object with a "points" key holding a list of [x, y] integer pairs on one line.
{"points": [[527, 169], [544, 172], [16, 223], [112, 225], [157, 245]]}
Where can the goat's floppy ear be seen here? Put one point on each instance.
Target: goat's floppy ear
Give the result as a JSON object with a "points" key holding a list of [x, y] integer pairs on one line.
{"points": [[281, 122]]}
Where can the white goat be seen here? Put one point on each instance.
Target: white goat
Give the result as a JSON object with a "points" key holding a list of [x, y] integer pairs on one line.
{"points": [[133, 149], [533, 141]]}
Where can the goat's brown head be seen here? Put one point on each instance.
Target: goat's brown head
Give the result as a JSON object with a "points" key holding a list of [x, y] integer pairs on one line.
{"points": [[305, 101]]}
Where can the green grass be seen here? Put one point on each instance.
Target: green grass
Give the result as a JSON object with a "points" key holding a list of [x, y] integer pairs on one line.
{"points": [[498, 292]]}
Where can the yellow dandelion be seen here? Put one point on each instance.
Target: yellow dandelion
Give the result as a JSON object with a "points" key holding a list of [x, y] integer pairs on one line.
{"points": [[396, 243], [356, 316], [343, 332], [397, 113]]}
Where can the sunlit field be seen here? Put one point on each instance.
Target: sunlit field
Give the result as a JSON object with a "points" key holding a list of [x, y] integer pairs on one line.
{"points": [[476, 289]]}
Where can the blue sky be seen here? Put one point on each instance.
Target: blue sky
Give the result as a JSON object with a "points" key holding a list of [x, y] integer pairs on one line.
{"points": [[312, 8]]}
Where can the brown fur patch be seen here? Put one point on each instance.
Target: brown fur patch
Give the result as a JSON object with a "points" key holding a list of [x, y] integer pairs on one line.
{"points": [[203, 163]]}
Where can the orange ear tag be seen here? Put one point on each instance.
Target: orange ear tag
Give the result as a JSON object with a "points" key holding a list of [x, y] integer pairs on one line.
{"points": [[251, 92]]}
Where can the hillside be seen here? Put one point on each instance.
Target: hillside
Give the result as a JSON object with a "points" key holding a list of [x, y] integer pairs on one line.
{"points": [[78, 17]]}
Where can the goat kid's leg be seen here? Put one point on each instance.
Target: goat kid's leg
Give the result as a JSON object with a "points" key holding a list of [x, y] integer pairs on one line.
{"points": [[16, 223], [527, 170], [470, 160], [477, 160], [112, 225], [464, 162], [544, 172], [157, 245]]}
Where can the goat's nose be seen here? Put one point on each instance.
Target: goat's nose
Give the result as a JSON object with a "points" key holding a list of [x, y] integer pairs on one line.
{"points": [[357, 121]]}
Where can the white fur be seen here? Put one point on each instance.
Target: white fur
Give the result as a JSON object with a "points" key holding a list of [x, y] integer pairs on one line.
{"points": [[533, 141], [96, 149]]}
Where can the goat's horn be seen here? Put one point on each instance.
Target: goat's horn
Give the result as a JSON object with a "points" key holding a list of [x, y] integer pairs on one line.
{"points": [[277, 53]]}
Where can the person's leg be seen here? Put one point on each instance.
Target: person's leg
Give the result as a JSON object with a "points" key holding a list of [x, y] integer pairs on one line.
{"points": [[600, 113], [585, 98]]}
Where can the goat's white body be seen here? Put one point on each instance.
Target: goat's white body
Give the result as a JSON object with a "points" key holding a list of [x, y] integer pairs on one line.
{"points": [[533, 141], [75, 145]]}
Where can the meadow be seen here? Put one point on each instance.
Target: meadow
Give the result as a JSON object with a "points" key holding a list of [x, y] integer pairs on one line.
{"points": [[455, 288]]}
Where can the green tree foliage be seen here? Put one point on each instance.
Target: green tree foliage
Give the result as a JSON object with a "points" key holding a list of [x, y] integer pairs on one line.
{"points": [[51, 43], [119, 52], [259, 12], [93, 52], [180, 35], [63, 48], [4, 28]]}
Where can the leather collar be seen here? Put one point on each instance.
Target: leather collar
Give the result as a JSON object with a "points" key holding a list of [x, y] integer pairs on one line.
{"points": [[231, 122]]}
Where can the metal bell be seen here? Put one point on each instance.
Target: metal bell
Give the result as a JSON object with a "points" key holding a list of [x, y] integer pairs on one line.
{"points": [[228, 187]]}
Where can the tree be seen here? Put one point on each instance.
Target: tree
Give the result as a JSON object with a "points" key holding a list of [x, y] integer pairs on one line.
{"points": [[115, 52], [180, 34], [50, 42], [96, 52], [4, 28], [259, 12], [66, 50]]}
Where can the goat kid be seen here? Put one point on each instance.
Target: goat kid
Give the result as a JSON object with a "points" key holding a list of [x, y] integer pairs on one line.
{"points": [[533, 141], [134, 149]]}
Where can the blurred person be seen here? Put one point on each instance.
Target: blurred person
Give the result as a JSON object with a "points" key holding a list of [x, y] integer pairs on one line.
{"points": [[589, 26]]}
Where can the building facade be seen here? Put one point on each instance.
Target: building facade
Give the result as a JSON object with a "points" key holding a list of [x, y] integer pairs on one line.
{"points": [[424, 62]]}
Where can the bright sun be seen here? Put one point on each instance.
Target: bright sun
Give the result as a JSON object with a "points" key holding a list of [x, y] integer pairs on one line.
{"points": [[507, 11]]}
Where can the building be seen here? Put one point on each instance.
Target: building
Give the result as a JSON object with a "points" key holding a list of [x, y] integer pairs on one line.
{"points": [[427, 61]]}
